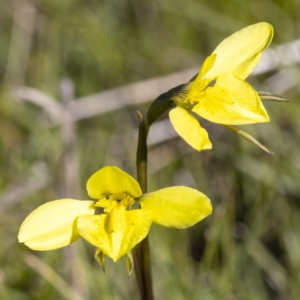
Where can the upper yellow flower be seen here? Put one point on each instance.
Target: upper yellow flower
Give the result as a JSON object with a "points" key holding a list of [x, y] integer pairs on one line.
{"points": [[219, 92], [118, 229]]}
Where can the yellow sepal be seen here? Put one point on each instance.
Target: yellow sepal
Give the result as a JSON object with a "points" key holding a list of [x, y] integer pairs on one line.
{"points": [[112, 180]]}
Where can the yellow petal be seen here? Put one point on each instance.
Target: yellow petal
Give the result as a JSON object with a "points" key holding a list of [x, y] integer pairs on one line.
{"points": [[198, 85], [189, 129], [117, 232], [177, 206], [112, 180], [208, 64], [246, 67], [53, 225], [242, 46], [231, 101]]}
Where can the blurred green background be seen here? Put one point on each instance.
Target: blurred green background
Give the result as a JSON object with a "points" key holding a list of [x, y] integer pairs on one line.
{"points": [[56, 54]]}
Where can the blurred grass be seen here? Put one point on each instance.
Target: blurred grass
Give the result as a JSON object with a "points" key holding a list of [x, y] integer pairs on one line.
{"points": [[247, 249]]}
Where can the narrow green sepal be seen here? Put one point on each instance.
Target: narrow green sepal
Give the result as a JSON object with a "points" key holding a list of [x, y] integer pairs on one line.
{"points": [[249, 138], [265, 96], [166, 101], [129, 262], [100, 258]]}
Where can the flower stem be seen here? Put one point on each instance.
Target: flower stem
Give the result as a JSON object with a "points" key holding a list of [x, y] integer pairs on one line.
{"points": [[141, 252]]}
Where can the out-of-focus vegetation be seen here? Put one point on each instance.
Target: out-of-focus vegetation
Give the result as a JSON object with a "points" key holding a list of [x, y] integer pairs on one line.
{"points": [[247, 249]]}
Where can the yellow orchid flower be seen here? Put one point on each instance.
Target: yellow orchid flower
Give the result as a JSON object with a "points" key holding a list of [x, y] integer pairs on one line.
{"points": [[118, 229], [219, 92]]}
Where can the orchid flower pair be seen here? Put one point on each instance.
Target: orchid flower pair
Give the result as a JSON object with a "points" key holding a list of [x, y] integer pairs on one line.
{"points": [[219, 94]]}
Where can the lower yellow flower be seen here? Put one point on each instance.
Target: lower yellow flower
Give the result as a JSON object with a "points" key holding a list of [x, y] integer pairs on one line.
{"points": [[118, 229]]}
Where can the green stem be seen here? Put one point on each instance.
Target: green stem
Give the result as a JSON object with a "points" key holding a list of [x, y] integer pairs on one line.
{"points": [[141, 154], [141, 252]]}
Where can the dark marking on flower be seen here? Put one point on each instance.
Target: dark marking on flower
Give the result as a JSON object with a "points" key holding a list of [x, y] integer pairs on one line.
{"points": [[211, 84], [105, 194], [127, 193]]}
